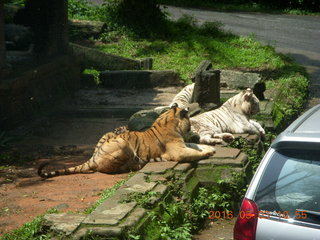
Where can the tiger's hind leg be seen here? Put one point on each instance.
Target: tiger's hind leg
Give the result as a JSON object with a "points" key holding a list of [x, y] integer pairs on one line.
{"points": [[183, 153]]}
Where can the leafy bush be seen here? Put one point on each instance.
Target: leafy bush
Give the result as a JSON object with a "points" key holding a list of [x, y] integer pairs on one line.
{"points": [[83, 9]]}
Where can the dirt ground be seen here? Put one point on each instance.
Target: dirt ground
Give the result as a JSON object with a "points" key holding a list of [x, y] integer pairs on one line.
{"points": [[221, 229], [24, 195], [67, 138]]}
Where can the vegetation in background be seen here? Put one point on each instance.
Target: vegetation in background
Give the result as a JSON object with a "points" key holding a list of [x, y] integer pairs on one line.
{"points": [[272, 6], [179, 217], [181, 45]]}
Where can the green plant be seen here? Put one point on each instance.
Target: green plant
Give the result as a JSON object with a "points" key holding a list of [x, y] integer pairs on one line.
{"points": [[83, 9], [95, 73], [31, 230], [143, 199]]}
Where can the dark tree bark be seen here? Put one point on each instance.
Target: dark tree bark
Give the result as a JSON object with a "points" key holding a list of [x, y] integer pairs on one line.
{"points": [[2, 41]]}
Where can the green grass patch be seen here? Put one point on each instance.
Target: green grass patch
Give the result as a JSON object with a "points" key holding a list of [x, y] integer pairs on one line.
{"points": [[189, 44], [31, 230]]}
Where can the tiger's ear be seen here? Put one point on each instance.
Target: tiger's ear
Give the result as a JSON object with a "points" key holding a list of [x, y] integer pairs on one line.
{"points": [[174, 105], [184, 113], [248, 94]]}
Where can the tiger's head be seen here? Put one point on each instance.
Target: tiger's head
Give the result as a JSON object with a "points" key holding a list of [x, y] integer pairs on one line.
{"points": [[175, 119], [245, 102]]}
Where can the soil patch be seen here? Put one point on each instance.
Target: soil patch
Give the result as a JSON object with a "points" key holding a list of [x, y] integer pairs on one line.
{"points": [[24, 195]]}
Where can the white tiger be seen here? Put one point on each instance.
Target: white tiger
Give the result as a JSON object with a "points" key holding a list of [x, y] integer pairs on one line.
{"points": [[232, 117], [183, 98]]}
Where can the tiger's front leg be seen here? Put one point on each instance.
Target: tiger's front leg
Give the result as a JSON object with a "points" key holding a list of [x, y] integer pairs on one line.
{"points": [[182, 153], [258, 126]]}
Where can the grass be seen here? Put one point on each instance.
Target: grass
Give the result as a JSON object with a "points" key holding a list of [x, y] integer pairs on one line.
{"points": [[188, 44], [31, 230], [184, 51]]}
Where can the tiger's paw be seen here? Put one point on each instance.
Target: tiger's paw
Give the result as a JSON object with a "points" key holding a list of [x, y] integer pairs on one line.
{"points": [[228, 137], [210, 151]]}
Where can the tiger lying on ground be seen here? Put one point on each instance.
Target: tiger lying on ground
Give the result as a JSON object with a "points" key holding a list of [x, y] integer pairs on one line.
{"points": [[130, 151], [232, 117]]}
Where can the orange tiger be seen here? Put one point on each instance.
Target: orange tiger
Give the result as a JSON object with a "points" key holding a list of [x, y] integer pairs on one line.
{"points": [[130, 151]]}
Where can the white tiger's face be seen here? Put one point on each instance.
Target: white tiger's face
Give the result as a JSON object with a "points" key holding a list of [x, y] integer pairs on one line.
{"points": [[245, 102]]}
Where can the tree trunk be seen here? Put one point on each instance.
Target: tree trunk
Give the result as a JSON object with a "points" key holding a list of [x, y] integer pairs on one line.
{"points": [[2, 41]]}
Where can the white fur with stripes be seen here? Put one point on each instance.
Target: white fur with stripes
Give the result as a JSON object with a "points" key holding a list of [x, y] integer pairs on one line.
{"points": [[232, 117], [183, 98]]}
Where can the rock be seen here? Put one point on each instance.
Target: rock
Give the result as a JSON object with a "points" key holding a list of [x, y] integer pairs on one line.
{"points": [[243, 80], [143, 119], [18, 37], [85, 28]]}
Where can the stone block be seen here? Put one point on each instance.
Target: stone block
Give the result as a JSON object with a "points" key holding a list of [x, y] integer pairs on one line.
{"points": [[243, 80], [84, 28], [161, 189], [134, 217], [109, 214], [158, 167], [182, 167], [63, 222], [239, 80], [240, 161], [190, 186], [224, 152], [128, 79], [137, 183], [99, 232]]}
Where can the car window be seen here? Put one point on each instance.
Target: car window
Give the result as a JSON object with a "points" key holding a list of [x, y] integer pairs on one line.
{"points": [[290, 186]]}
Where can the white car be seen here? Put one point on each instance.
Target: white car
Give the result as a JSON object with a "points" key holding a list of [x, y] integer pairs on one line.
{"points": [[283, 199]]}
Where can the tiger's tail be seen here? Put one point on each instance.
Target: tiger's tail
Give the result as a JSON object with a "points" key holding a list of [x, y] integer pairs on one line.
{"points": [[83, 168]]}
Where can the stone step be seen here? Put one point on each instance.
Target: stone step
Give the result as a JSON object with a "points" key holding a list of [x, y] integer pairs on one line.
{"points": [[129, 79]]}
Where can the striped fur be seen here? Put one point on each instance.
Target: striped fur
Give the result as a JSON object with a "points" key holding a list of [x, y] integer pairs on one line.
{"points": [[130, 151], [232, 117], [109, 135], [183, 98]]}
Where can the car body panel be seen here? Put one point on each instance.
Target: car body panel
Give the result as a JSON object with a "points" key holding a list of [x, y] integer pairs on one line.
{"points": [[302, 134], [281, 230]]}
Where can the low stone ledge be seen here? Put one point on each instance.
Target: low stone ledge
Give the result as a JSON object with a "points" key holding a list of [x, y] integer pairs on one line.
{"points": [[63, 222], [182, 167], [97, 231], [137, 214], [224, 152], [137, 183], [128, 79], [161, 189], [240, 161], [106, 215], [158, 167]]}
